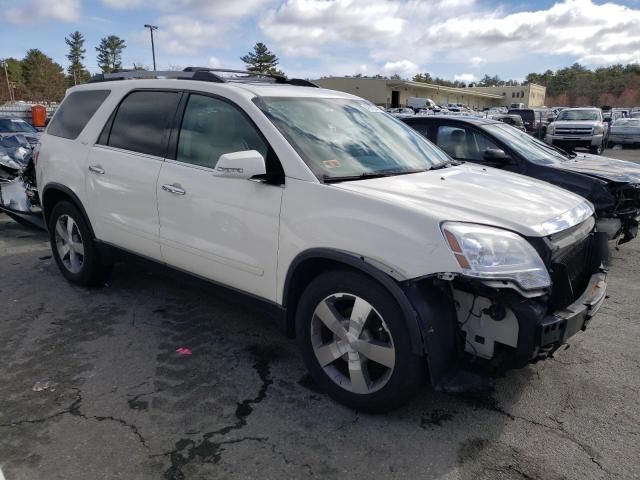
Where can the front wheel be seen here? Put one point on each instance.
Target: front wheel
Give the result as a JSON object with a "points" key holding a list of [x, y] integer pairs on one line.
{"points": [[73, 248], [355, 342], [596, 150]]}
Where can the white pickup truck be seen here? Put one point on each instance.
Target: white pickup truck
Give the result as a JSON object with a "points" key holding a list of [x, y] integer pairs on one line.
{"points": [[578, 127]]}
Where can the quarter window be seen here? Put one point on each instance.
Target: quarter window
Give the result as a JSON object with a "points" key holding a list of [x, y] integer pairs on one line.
{"points": [[142, 122], [75, 112], [213, 127]]}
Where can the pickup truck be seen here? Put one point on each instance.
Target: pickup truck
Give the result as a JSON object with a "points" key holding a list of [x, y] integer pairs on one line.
{"points": [[578, 127]]}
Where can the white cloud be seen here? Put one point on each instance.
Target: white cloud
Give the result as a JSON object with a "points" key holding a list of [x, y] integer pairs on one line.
{"points": [[303, 27], [465, 77], [404, 68], [456, 32], [477, 62], [43, 10], [214, 62], [209, 8], [122, 4], [181, 35]]}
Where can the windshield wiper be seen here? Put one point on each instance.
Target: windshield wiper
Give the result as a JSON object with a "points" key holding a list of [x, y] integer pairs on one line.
{"points": [[368, 175]]}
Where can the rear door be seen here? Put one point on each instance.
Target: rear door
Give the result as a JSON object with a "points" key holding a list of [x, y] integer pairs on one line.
{"points": [[123, 170], [221, 228]]}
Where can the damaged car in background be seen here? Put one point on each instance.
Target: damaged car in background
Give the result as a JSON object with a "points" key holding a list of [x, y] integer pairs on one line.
{"points": [[18, 193], [611, 185]]}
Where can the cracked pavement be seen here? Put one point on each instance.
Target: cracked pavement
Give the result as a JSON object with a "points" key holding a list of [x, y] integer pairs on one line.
{"points": [[123, 404]]}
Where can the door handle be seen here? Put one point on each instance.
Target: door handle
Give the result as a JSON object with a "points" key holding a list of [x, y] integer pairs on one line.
{"points": [[96, 169], [173, 189]]}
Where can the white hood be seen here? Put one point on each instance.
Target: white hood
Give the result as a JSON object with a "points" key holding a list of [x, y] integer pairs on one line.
{"points": [[470, 193]]}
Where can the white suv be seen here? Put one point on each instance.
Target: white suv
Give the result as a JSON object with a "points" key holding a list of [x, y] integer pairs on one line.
{"points": [[377, 252]]}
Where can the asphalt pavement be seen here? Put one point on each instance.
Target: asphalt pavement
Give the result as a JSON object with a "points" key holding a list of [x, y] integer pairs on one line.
{"points": [[92, 387]]}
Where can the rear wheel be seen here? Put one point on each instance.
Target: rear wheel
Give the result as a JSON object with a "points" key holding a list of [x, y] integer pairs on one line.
{"points": [[73, 248], [355, 342]]}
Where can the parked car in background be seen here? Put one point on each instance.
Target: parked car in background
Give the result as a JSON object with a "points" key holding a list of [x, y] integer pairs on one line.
{"points": [[625, 131], [401, 112], [513, 120], [535, 120], [578, 127], [612, 186], [13, 126], [635, 114], [382, 256]]}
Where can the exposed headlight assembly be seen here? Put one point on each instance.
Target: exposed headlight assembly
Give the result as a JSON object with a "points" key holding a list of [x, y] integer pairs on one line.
{"points": [[550, 128], [598, 130], [494, 254]]}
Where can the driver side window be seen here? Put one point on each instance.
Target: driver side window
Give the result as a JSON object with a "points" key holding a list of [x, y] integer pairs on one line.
{"points": [[212, 127], [464, 144]]}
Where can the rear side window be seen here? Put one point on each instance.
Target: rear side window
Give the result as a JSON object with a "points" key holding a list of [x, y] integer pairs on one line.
{"points": [[142, 122], [74, 113]]}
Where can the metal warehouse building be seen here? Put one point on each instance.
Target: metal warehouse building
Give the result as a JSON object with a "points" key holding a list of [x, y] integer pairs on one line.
{"points": [[395, 93], [532, 95]]}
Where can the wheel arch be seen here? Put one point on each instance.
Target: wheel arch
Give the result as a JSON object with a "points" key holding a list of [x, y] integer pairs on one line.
{"points": [[310, 263], [54, 193]]}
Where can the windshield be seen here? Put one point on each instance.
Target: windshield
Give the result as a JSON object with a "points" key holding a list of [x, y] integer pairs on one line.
{"points": [[349, 138], [529, 147], [578, 115], [12, 125]]}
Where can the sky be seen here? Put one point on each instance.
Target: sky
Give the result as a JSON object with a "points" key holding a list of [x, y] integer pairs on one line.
{"points": [[453, 39]]}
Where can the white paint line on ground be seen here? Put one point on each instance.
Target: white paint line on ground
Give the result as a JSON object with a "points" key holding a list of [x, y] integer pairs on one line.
{"points": [[1, 475]]}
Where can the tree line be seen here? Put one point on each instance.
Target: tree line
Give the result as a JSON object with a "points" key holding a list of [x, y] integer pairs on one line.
{"points": [[37, 77], [616, 85]]}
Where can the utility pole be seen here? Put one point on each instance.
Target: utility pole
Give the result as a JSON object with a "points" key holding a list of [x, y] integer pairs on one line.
{"points": [[153, 50], [9, 86]]}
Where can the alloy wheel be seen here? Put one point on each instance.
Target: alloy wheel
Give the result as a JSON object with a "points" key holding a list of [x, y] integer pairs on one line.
{"points": [[69, 244], [352, 343]]}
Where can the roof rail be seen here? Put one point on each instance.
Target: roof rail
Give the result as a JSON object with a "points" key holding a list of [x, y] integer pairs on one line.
{"points": [[146, 74], [253, 76], [202, 74]]}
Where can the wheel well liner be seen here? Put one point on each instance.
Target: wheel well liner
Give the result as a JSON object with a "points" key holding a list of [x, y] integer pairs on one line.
{"points": [[56, 192], [308, 264]]}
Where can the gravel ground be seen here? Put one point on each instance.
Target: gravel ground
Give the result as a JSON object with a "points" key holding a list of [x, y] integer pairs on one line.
{"points": [[121, 403]]}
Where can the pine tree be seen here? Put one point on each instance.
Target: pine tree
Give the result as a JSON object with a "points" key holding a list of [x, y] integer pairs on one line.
{"points": [[110, 53], [76, 70], [261, 60], [43, 78]]}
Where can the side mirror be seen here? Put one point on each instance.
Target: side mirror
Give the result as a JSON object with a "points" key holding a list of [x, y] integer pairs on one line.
{"points": [[496, 155], [245, 165], [551, 119]]}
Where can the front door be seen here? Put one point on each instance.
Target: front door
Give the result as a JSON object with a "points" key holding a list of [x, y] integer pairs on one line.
{"points": [[123, 169], [221, 228]]}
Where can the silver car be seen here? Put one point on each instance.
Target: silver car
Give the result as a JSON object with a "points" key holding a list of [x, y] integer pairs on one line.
{"points": [[625, 131]]}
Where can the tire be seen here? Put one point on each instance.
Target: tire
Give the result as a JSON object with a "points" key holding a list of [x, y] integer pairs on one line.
{"points": [[81, 264], [372, 387], [597, 150]]}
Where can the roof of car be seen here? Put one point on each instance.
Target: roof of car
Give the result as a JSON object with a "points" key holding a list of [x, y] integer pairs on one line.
{"points": [[247, 84], [247, 89]]}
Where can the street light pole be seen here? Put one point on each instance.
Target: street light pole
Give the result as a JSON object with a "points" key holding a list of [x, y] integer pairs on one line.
{"points": [[153, 50]]}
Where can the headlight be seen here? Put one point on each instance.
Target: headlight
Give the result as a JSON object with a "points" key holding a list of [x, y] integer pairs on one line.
{"points": [[550, 128], [598, 130], [495, 254]]}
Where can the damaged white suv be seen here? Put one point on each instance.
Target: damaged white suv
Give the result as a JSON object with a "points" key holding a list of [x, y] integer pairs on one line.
{"points": [[378, 252]]}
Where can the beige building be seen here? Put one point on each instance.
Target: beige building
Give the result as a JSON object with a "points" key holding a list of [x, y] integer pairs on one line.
{"points": [[531, 95], [395, 93]]}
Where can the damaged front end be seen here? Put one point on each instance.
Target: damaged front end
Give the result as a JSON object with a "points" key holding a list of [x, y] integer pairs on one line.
{"points": [[18, 192], [620, 221], [491, 326]]}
